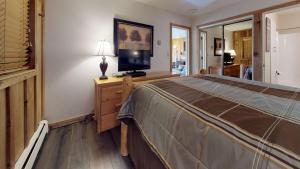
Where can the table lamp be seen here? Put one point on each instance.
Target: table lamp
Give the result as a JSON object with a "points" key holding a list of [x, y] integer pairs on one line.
{"points": [[232, 52], [104, 50]]}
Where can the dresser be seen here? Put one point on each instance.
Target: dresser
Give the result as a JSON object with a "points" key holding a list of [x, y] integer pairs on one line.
{"points": [[232, 70], [108, 97]]}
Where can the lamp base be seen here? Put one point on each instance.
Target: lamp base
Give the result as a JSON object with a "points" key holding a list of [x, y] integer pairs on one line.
{"points": [[103, 78], [103, 67]]}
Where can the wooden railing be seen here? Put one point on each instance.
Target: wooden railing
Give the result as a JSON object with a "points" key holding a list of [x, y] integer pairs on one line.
{"points": [[19, 114]]}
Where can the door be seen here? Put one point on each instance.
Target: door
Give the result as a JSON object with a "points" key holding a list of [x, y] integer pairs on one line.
{"points": [[287, 69]]}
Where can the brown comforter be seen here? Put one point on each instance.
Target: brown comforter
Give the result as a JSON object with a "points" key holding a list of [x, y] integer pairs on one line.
{"points": [[217, 122]]}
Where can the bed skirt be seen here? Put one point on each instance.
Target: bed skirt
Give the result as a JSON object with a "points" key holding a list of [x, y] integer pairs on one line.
{"points": [[140, 152]]}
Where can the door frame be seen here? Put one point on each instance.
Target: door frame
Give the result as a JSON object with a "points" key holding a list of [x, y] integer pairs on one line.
{"points": [[190, 45]]}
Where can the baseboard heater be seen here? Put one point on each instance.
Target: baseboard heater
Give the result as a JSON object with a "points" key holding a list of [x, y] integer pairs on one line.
{"points": [[26, 160]]}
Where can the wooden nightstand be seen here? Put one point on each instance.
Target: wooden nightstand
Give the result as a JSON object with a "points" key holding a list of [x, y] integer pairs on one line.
{"points": [[108, 94]]}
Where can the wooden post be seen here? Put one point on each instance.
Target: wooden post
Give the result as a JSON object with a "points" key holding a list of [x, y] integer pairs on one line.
{"points": [[124, 138], [16, 107], [3, 129], [39, 83], [29, 109], [127, 89], [257, 48]]}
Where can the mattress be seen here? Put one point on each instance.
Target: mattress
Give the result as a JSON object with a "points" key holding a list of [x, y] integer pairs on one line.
{"points": [[218, 122]]}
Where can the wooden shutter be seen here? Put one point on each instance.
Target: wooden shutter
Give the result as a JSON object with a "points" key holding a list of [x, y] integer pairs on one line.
{"points": [[14, 35]]}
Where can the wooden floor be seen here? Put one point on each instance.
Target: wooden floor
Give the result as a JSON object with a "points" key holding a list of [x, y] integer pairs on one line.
{"points": [[78, 146]]}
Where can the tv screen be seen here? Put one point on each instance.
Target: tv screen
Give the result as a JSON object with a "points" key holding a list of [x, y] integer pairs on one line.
{"points": [[130, 60], [227, 58]]}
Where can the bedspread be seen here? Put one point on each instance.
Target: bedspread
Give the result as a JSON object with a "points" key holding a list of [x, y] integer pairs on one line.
{"points": [[218, 122]]}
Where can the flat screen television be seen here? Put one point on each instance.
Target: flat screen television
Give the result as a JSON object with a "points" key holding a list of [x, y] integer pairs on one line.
{"points": [[228, 60], [133, 60]]}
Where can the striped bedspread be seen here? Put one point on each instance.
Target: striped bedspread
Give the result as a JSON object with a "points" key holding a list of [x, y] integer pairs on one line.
{"points": [[212, 122]]}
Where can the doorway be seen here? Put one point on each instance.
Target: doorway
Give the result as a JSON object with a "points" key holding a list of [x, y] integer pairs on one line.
{"points": [[180, 50], [282, 38]]}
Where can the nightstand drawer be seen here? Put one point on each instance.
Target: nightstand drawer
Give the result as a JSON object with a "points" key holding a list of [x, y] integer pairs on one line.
{"points": [[109, 93], [109, 121], [111, 106]]}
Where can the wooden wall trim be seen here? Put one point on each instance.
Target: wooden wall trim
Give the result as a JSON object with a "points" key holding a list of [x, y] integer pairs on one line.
{"points": [[14, 78], [42, 6], [39, 18], [3, 138], [257, 48], [17, 127], [69, 121], [283, 5], [190, 45], [30, 115]]}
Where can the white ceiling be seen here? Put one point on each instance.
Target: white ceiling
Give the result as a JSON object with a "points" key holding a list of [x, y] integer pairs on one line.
{"points": [[189, 7]]}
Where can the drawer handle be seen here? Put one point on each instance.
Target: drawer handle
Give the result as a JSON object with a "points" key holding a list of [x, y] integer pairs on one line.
{"points": [[119, 92]]}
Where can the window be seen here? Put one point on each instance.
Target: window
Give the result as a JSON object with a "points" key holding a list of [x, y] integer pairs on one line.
{"points": [[15, 47]]}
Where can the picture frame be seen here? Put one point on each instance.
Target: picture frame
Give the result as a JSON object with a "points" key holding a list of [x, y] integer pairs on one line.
{"points": [[133, 36], [218, 46]]}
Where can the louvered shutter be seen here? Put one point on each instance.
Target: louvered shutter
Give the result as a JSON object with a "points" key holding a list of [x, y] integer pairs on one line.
{"points": [[14, 35]]}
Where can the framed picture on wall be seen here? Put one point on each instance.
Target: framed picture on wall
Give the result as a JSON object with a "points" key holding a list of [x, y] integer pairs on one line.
{"points": [[218, 47], [268, 34], [132, 36]]}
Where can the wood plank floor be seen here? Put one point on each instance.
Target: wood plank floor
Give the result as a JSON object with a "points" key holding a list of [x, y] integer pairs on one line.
{"points": [[78, 146]]}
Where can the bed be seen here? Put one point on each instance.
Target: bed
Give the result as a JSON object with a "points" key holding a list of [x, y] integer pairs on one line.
{"points": [[209, 121]]}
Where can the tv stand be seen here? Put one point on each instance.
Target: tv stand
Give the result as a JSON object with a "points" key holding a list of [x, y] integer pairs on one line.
{"points": [[136, 73]]}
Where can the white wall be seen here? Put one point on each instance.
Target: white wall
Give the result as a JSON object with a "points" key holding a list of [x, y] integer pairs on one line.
{"points": [[72, 30], [232, 10]]}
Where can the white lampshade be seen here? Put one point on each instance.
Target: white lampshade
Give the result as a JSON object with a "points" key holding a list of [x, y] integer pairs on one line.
{"points": [[105, 49], [232, 52]]}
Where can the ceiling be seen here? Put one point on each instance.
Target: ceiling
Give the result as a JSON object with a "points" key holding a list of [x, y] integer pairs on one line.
{"points": [[189, 7], [239, 26]]}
